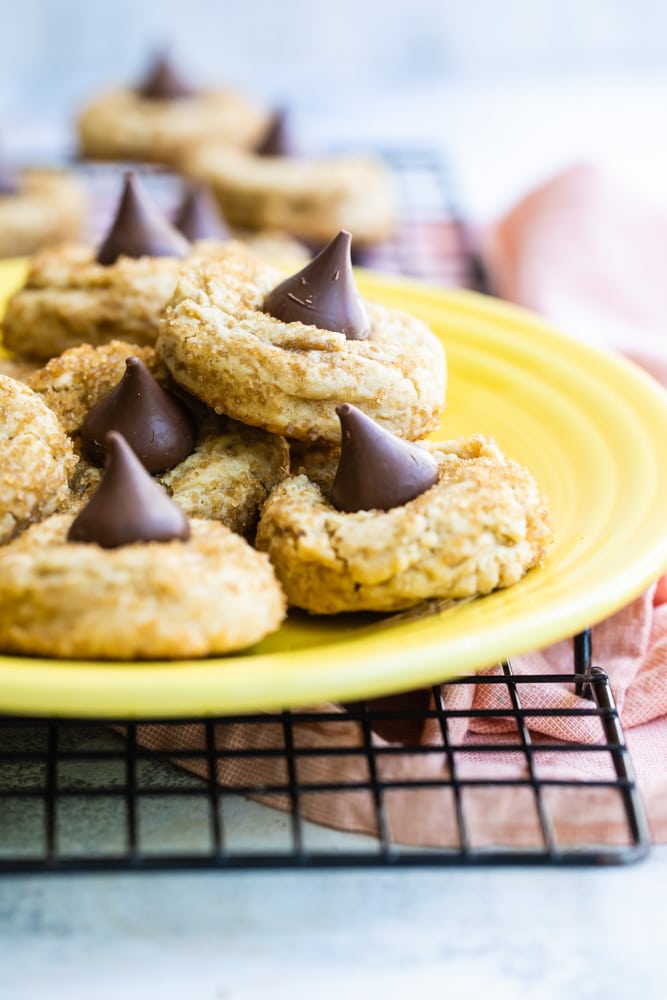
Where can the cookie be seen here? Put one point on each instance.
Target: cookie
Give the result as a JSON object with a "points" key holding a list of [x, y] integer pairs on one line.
{"points": [[142, 124], [287, 378], [36, 459], [227, 476], [482, 526], [70, 299], [75, 381], [208, 595], [44, 207], [312, 198]]}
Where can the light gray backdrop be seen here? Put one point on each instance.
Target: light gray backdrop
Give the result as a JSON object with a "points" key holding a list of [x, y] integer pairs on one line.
{"points": [[308, 53]]}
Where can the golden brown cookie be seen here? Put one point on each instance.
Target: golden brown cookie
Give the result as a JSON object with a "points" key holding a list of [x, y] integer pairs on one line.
{"points": [[69, 299], [17, 368], [287, 377], [47, 208], [75, 381], [124, 125], [483, 525], [312, 198], [228, 475], [36, 459], [209, 595]]}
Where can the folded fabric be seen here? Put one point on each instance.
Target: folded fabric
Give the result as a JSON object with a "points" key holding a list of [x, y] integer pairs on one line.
{"points": [[588, 253]]}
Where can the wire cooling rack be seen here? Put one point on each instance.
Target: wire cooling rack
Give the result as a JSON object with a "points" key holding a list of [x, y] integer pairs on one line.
{"points": [[143, 795], [140, 796]]}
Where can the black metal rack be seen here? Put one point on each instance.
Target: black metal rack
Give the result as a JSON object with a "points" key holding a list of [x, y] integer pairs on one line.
{"points": [[128, 795], [176, 807]]}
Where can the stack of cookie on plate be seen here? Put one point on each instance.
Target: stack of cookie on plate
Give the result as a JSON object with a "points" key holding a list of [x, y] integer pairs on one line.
{"points": [[210, 440]]}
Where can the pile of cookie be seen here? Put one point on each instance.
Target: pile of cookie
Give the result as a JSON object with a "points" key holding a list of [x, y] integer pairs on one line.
{"points": [[210, 441]]}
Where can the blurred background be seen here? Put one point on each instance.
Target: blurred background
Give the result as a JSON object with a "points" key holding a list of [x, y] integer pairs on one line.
{"points": [[510, 91]]}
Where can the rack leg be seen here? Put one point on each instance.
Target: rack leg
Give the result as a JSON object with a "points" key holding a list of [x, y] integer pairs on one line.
{"points": [[583, 657]]}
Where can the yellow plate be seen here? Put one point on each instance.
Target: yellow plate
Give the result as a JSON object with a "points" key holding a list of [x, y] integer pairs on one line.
{"points": [[591, 427]]}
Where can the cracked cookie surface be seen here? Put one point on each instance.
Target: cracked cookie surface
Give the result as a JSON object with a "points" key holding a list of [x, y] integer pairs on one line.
{"points": [[70, 299], [211, 594], [482, 526], [36, 459], [287, 377]]}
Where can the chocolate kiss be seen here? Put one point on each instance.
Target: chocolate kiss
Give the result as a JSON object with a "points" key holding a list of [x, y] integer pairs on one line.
{"points": [[199, 218], [140, 229], [376, 469], [156, 425], [275, 141], [164, 83], [323, 294], [127, 506]]}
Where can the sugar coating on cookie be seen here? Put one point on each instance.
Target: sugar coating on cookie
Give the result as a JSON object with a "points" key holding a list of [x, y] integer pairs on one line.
{"points": [[36, 459], [313, 198], [231, 470], [209, 595], [482, 526], [287, 377], [69, 299]]}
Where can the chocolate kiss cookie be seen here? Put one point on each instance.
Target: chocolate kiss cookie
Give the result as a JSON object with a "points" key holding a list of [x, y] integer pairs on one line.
{"points": [[199, 218], [140, 229], [156, 425], [323, 293], [377, 470], [128, 506], [164, 83]]}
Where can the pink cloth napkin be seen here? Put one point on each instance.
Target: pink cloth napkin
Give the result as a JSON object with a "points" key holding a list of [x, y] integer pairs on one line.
{"points": [[590, 255]]}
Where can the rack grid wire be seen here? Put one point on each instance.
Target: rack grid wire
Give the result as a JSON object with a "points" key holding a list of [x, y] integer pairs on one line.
{"points": [[140, 795]]}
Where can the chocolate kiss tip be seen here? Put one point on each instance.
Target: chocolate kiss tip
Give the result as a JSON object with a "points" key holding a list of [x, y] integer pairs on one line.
{"points": [[199, 218], [376, 469], [127, 506], [275, 141], [156, 425], [164, 83], [323, 293], [139, 228]]}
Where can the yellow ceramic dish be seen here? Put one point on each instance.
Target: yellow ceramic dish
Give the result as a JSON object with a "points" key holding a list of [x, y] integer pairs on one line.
{"points": [[592, 429]]}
